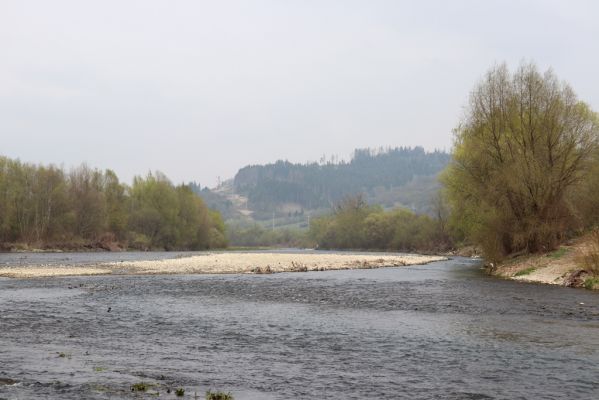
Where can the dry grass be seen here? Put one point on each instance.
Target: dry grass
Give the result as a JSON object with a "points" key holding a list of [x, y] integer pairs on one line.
{"points": [[588, 256]]}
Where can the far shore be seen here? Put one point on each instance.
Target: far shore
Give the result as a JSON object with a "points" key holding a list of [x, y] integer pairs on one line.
{"points": [[225, 263]]}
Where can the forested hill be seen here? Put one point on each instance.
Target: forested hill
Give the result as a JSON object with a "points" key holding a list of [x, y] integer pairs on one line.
{"points": [[375, 173]]}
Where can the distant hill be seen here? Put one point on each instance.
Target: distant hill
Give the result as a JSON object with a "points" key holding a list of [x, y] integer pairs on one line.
{"points": [[393, 177], [312, 186]]}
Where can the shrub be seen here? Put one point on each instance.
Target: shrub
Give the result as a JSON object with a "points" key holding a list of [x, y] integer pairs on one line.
{"points": [[591, 283], [589, 257], [180, 392], [210, 395], [139, 387]]}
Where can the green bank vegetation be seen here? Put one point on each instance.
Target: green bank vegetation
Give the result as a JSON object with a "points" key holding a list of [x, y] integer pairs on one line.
{"points": [[140, 387], [525, 170], [524, 177], [218, 395], [256, 235], [356, 225], [588, 259], [526, 271], [559, 253], [48, 207]]}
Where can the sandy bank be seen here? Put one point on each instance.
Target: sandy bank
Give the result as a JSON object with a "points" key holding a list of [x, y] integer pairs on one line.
{"points": [[50, 271], [227, 263], [559, 267]]}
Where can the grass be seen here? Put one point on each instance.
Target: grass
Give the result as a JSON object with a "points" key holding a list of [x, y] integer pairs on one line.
{"points": [[99, 369], [139, 387], [591, 283], [210, 395], [562, 251], [180, 392], [588, 259], [525, 271]]}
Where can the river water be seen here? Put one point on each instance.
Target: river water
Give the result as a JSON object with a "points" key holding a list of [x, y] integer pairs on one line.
{"points": [[439, 331]]}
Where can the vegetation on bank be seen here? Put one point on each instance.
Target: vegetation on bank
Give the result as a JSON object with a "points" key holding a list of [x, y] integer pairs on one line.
{"points": [[256, 235], [48, 207], [218, 395], [525, 169], [356, 225], [588, 259], [564, 266], [523, 178]]}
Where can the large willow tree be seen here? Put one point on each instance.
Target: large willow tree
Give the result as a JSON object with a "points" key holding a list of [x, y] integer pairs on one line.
{"points": [[525, 142]]}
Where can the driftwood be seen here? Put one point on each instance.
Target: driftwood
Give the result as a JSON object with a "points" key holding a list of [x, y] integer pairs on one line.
{"points": [[576, 278]]}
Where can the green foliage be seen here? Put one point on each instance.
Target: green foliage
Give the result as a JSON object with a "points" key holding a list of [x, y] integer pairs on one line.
{"points": [[526, 271], [356, 225], [559, 253], [591, 283], [139, 387], [44, 206], [210, 395], [256, 235], [525, 145], [180, 392]]}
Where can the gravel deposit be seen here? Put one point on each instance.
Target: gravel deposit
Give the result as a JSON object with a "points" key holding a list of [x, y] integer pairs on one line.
{"points": [[227, 263]]}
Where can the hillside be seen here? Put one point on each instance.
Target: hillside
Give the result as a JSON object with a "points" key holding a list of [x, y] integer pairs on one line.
{"points": [[289, 193]]}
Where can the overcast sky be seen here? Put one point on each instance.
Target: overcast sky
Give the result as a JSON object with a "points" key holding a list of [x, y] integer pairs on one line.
{"points": [[198, 89]]}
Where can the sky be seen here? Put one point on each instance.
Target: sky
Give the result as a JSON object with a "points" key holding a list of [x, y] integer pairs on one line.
{"points": [[198, 89]]}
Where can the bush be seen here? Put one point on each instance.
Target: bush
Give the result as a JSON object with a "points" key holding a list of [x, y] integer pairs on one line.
{"points": [[139, 387], [589, 257], [210, 395], [356, 225], [591, 283]]}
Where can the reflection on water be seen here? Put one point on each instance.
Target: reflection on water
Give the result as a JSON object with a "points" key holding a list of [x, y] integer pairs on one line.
{"points": [[443, 330]]}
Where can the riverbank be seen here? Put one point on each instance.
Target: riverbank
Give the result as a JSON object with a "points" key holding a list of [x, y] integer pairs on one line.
{"points": [[225, 263], [560, 267]]}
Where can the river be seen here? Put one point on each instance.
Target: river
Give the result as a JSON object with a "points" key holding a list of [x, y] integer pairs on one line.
{"points": [[444, 330]]}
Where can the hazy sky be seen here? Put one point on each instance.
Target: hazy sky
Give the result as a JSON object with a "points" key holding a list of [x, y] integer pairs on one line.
{"points": [[198, 89]]}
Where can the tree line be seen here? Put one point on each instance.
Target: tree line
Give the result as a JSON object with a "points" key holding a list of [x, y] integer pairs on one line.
{"points": [[315, 185], [48, 207], [356, 225], [256, 235]]}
